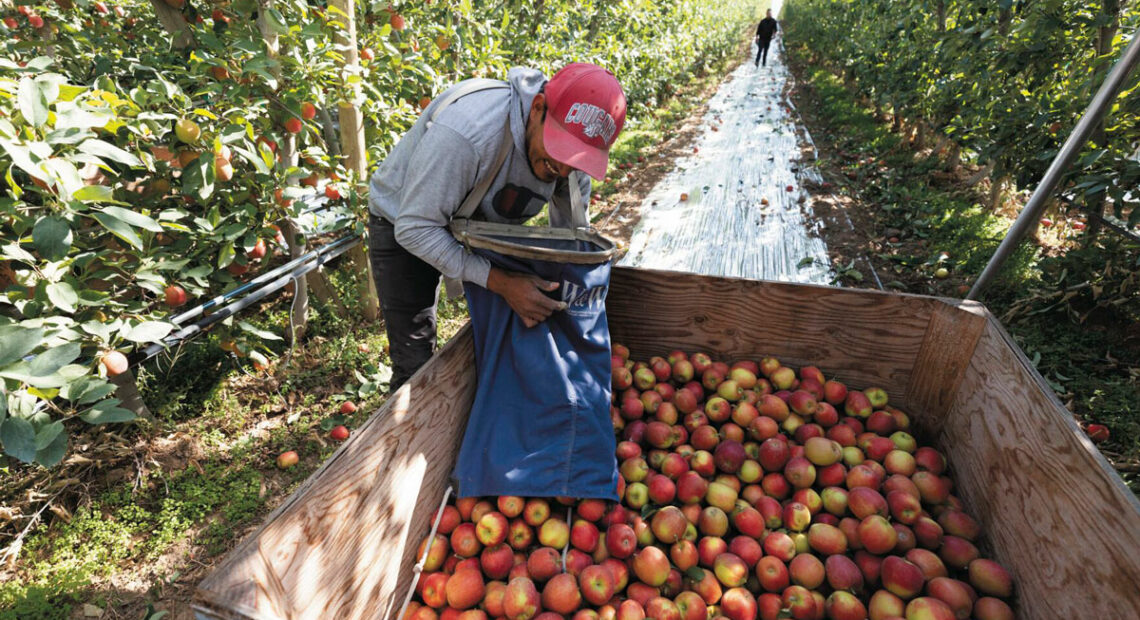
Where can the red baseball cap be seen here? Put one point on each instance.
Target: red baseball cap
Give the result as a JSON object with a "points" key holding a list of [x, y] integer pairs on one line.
{"points": [[585, 114]]}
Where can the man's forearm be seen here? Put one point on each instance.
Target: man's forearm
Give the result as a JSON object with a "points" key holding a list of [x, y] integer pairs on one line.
{"points": [[435, 246]]}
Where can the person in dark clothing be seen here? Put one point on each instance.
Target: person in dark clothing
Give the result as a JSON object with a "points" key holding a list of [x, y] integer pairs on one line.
{"points": [[764, 33]]}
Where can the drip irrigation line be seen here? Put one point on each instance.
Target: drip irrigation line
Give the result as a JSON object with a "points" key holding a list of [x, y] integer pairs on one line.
{"points": [[229, 310], [262, 279]]}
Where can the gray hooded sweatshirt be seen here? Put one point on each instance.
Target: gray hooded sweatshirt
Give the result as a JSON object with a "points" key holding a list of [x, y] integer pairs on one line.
{"points": [[429, 173]]}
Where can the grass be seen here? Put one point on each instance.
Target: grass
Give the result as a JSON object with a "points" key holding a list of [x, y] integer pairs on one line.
{"points": [[1069, 307], [153, 521]]}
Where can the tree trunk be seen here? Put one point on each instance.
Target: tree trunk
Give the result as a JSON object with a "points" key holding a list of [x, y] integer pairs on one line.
{"points": [[299, 312], [940, 145], [329, 132], [1005, 17], [941, 12], [981, 174], [173, 22], [997, 185], [126, 389], [596, 22], [1105, 34], [318, 283], [355, 156], [954, 159]]}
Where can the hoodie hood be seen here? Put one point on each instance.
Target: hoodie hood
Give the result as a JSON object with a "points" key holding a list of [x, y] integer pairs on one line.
{"points": [[525, 84]]}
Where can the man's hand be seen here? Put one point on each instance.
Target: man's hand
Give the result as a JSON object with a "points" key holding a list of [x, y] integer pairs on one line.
{"points": [[524, 293]]}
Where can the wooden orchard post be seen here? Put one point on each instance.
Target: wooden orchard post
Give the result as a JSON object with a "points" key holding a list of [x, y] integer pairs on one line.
{"points": [[352, 142], [174, 22]]}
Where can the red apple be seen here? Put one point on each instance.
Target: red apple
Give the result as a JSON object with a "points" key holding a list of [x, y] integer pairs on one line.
{"points": [[954, 594], [730, 570], [990, 578], [651, 566], [434, 593], [497, 561], [669, 524], [738, 604], [465, 589], [544, 563], [901, 578], [799, 602], [929, 608], [988, 608], [844, 606], [492, 528], [536, 512]]}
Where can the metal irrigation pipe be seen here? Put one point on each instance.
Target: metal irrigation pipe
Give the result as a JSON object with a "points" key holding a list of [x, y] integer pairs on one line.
{"points": [[1076, 140], [261, 279], [297, 272]]}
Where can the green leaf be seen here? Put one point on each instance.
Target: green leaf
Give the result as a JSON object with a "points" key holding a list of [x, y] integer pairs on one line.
{"points": [[276, 21], [52, 237], [106, 412], [695, 573], [93, 391], [149, 331], [19, 439], [134, 218], [44, 394], [257, 162], [260, 333], [93, 193], [54, 452], [119, 228], [14, 252], [47, 434], [18, 342], [21, 371], [328, 423], [225, 255], [32, 103], [103, 331], [102, 149], [49, 362], [62, 296]]}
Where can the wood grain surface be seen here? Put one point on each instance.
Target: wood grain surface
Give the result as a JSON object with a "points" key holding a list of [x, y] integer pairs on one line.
{"points": [[946, 351], [1052, 509], [342, 545], [863, 338]]}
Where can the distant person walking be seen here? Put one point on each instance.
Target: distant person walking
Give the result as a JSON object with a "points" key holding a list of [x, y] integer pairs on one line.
{"points": [[764, 33]]}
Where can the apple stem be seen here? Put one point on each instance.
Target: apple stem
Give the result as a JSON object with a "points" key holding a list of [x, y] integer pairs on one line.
{"points": [[419, 567]]}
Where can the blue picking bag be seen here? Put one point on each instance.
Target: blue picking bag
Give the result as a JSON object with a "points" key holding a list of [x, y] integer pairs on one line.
{"points": [[540, 423]]}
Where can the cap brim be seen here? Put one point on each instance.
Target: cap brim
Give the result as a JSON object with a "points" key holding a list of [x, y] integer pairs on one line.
{"points": [[568, 149]]}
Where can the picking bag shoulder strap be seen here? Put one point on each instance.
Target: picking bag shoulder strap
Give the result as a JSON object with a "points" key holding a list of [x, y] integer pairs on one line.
{"points": [[475, 196], [467, 87]]}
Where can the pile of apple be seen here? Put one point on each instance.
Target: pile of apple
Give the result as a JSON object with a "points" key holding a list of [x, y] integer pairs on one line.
{"points": [[747, 491]]}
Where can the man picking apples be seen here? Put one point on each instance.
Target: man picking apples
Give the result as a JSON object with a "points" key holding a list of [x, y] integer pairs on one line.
{"points": [[505, 149]]}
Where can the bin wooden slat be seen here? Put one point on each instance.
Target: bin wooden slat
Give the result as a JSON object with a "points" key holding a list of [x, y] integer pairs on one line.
{"points": [[863, 337], [1052, 509], [342, 545]]}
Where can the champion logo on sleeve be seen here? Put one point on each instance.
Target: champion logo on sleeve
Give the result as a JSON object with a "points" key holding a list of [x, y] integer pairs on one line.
{"points": [[595, 121]]}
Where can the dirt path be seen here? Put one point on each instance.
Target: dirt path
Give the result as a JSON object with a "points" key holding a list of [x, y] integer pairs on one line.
{"points": [[735, 205]]}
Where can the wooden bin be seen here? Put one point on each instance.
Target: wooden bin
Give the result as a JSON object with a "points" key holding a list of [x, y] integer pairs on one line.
{"points": [[1051, 508]]}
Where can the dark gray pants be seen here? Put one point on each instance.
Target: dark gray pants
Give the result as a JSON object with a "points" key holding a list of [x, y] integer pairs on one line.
{"points": [[762, 49], [409, 290]]}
